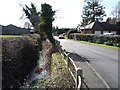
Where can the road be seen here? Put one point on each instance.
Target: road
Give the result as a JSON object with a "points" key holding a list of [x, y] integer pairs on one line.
{"points": [[103, 60]]}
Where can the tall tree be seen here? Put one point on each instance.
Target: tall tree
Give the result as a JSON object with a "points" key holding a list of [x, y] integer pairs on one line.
{"points": [[32, 15], [46, 21], [92, 11], [115, 13]]}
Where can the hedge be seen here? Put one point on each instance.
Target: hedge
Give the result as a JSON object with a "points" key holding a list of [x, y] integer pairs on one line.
{"points": [[19, 57], [112, 40]]}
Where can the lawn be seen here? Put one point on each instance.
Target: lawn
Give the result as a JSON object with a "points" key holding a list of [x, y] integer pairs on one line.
{"points": [[9, 36]]}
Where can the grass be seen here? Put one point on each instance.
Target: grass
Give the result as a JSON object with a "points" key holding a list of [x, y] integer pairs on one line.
{"points": [[102, 45], [60, 76], [9, 36]]}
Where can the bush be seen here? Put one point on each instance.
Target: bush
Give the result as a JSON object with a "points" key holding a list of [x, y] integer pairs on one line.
{"points": [[100, 39], [98, 42], [117, 44], [19, 56], [70, 32], [108, 43]]}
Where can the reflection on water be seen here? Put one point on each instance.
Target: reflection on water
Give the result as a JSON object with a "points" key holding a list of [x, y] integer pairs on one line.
{"points": [[33, 75]]}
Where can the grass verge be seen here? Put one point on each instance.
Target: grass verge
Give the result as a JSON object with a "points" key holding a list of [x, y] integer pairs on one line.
{"points": [[102, 45], [60, 76]]}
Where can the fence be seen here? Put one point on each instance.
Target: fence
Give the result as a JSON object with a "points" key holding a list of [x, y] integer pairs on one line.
{"points": [[75, 72]]}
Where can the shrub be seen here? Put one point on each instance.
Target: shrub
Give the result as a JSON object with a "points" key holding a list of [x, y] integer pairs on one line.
{"points": [[108, 43], [117, 44], [70, 32], [100, 39], [19, 56]]}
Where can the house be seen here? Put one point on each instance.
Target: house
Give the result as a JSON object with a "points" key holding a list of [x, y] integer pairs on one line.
{"points": [[13, 30], [101, 28]]}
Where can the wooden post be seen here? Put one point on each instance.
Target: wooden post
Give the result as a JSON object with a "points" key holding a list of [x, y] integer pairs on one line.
{"points": [[67, 59], [64, 53], [79, 78], [60, 49]]}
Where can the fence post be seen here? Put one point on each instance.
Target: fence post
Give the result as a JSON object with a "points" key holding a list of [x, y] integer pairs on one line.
{"points": [[79, 78], [60, 48], [67, 59], [64, 51]]}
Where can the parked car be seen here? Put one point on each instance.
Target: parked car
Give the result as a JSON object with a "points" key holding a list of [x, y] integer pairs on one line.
{"points": [[61, 36]]}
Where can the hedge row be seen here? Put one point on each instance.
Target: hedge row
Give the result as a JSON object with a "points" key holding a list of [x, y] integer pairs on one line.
{"points": [[19, 57], [112, 40]]}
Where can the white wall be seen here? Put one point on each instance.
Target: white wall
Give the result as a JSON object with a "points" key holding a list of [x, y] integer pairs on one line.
{"points": [[97, 32], [114, 32], [105, 32]]}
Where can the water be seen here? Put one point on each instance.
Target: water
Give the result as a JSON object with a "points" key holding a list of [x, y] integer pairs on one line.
{"points": [[33, 75]]}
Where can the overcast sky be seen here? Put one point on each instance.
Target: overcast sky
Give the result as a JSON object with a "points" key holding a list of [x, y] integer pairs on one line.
{"points": [[68, 11]]}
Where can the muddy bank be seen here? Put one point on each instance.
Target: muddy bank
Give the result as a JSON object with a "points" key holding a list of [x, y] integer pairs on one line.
{"points": [[19, 56], [47, 50]]}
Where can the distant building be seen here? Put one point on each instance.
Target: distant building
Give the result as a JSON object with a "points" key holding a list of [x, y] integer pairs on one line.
{"points": [[13, 30], [101, 28]]}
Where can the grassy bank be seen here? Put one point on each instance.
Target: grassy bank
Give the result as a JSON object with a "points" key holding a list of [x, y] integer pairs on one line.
{"points": [[102, 45], [60, 75]]}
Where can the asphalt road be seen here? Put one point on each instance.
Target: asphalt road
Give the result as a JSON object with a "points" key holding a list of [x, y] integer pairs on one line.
{"points": [[103, 60]]}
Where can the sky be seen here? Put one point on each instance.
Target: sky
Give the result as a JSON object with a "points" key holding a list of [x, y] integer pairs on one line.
{"points": [[68, 12]]}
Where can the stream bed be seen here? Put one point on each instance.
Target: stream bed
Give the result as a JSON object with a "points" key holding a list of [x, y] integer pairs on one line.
{"points": [[33, 76]]}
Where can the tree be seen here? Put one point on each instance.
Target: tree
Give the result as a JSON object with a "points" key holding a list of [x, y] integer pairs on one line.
{"points": [[46, 21], [93, 11], [32, 15], [27, 25], [115, 13], [42, 22]]}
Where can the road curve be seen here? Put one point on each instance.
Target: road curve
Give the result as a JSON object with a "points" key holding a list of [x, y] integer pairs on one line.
{"points": [[103, 60]]}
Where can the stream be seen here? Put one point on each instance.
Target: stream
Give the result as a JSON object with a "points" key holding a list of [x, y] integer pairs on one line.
{"points": [[33, 75]]}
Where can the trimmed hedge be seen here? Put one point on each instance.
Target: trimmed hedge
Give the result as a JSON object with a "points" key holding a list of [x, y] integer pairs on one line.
{"points": [[112, 40], [19, 57]]}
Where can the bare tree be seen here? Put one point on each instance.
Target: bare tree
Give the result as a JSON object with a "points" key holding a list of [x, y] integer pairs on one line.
{"points": [[33, 15], [115, 13], [27, 25]]}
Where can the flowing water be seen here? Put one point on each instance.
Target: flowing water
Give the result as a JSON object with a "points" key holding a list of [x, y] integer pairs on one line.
{"points": [[33, 75]]}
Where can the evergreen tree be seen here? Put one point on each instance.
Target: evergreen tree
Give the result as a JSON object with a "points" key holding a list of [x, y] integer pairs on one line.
{"points": [[93, 11], [46, 21]]}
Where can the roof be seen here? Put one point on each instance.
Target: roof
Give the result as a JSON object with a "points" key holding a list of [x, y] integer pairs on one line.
{"points": [[101, 26]]}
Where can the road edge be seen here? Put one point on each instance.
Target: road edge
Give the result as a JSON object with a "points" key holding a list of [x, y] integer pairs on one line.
{"points": [[99, 76]]}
